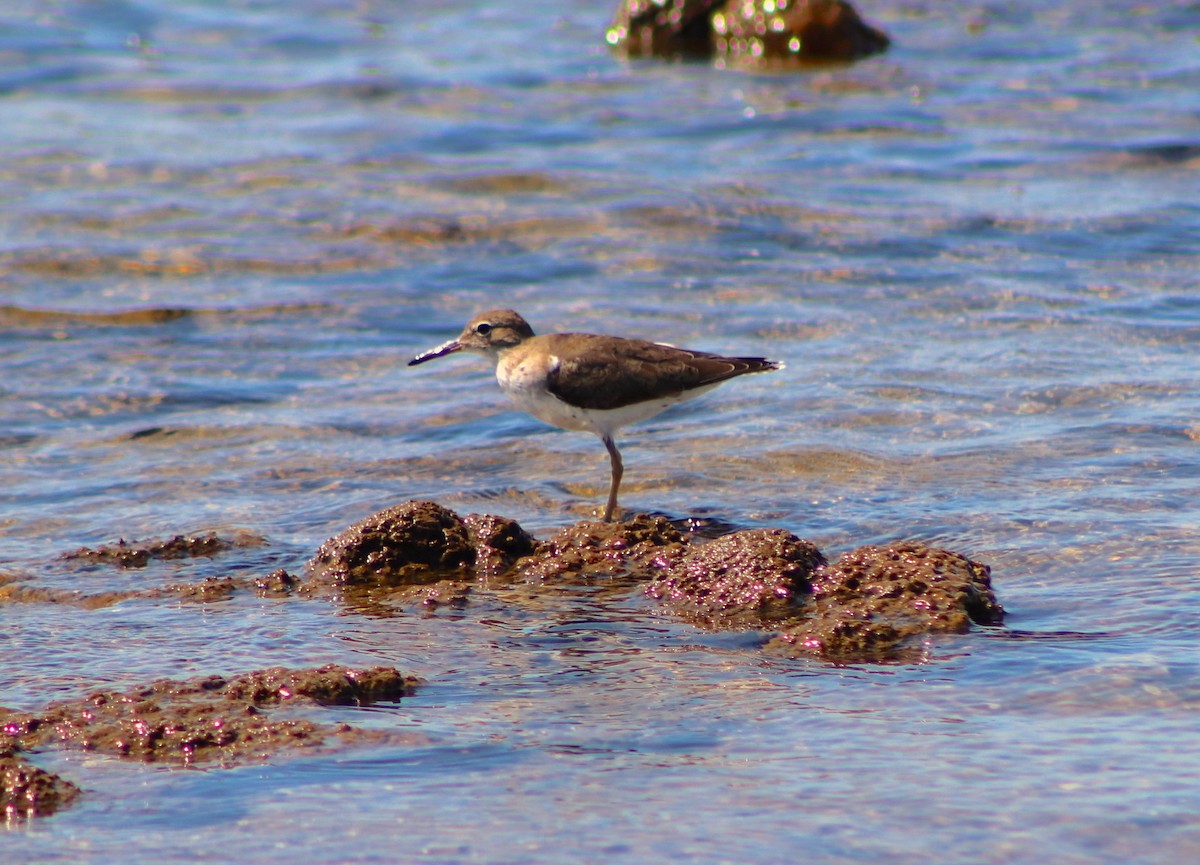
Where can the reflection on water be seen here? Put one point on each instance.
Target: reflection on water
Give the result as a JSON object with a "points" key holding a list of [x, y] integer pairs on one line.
{"points": [[225, 230]]}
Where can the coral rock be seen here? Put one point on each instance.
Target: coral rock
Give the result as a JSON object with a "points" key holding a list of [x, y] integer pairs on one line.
{"points": [[873, 599], [751, 577], [415, 542]]}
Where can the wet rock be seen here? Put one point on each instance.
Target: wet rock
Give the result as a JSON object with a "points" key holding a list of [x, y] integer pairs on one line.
{"points": [[207, 718], [415, 542], [745, 579], [423, 552], [664, 28], [769, 31], [423, 599], [869, 605], [498, 543], [744, 32], [277, 584], [330, 685], [417, 556], [842, 636], [27, 791], [207, 590], [21, 594], [871, 601], [447, 593], [138, 554], [634, 549], [941, 587]]}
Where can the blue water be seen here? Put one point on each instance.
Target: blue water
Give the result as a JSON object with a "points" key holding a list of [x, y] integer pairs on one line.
{"points": [[226, 227]]}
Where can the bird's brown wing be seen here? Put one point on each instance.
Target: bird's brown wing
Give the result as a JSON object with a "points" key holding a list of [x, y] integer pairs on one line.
{"points": [[607, 372]]}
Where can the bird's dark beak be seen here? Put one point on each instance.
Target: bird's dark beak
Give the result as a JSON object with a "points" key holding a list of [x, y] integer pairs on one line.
{"points": [[442, 350]]}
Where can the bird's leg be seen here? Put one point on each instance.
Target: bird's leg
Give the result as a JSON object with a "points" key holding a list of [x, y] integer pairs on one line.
{"points": [[618, 469]]}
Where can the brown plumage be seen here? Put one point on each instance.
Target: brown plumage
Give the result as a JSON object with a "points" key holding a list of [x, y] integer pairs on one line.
{"points": [[584, 381]]}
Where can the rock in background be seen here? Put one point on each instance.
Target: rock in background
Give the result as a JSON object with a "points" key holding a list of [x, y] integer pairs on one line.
{"points": [[745, 33]]}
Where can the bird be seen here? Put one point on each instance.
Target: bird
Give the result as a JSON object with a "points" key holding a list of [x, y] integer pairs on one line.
{"points": [[591, 382]]}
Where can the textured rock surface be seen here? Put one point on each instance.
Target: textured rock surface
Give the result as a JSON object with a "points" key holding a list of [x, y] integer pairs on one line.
{"points": [[27, 791], [211, 718], [635, 549], [498, 543], [138, 554], [415, 542], [873, 599], [751, 579]]}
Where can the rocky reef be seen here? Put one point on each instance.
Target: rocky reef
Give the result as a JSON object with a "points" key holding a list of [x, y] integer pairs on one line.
{"points": [[874, 604], [867, 606], [207, 719]]}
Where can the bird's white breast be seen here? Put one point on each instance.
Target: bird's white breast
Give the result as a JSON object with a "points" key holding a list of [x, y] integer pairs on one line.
{"points": [[522, 376]]}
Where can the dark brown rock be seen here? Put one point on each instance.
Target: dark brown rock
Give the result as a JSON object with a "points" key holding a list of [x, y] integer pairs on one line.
{"points": [[744, 32], [633, 549], [940, 586], [207, 590], [415, 542], [20, 594], [418, 556], [670, 29], [330, 685], [278, 583], [138, 554], [207, 718], [840, 635], [873, 600], [27, 791], [446, 593], [748, 579], [498, 543], [766, 31]]}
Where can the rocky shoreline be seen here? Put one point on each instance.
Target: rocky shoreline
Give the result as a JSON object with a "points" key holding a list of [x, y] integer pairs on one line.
{"points": [[874, 604]]}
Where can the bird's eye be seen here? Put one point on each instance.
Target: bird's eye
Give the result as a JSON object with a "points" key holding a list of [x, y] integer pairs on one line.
{"points": [[483, 328]]}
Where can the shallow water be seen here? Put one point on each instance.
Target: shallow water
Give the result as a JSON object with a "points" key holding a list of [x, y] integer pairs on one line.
{"points": [[227, 227]]}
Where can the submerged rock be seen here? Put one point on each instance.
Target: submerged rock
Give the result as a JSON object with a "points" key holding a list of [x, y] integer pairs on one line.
{"points": [[138, 554], [277, 584], [745, 579], [744, 32], [207, 590], [27, 791], [210, 718]]}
